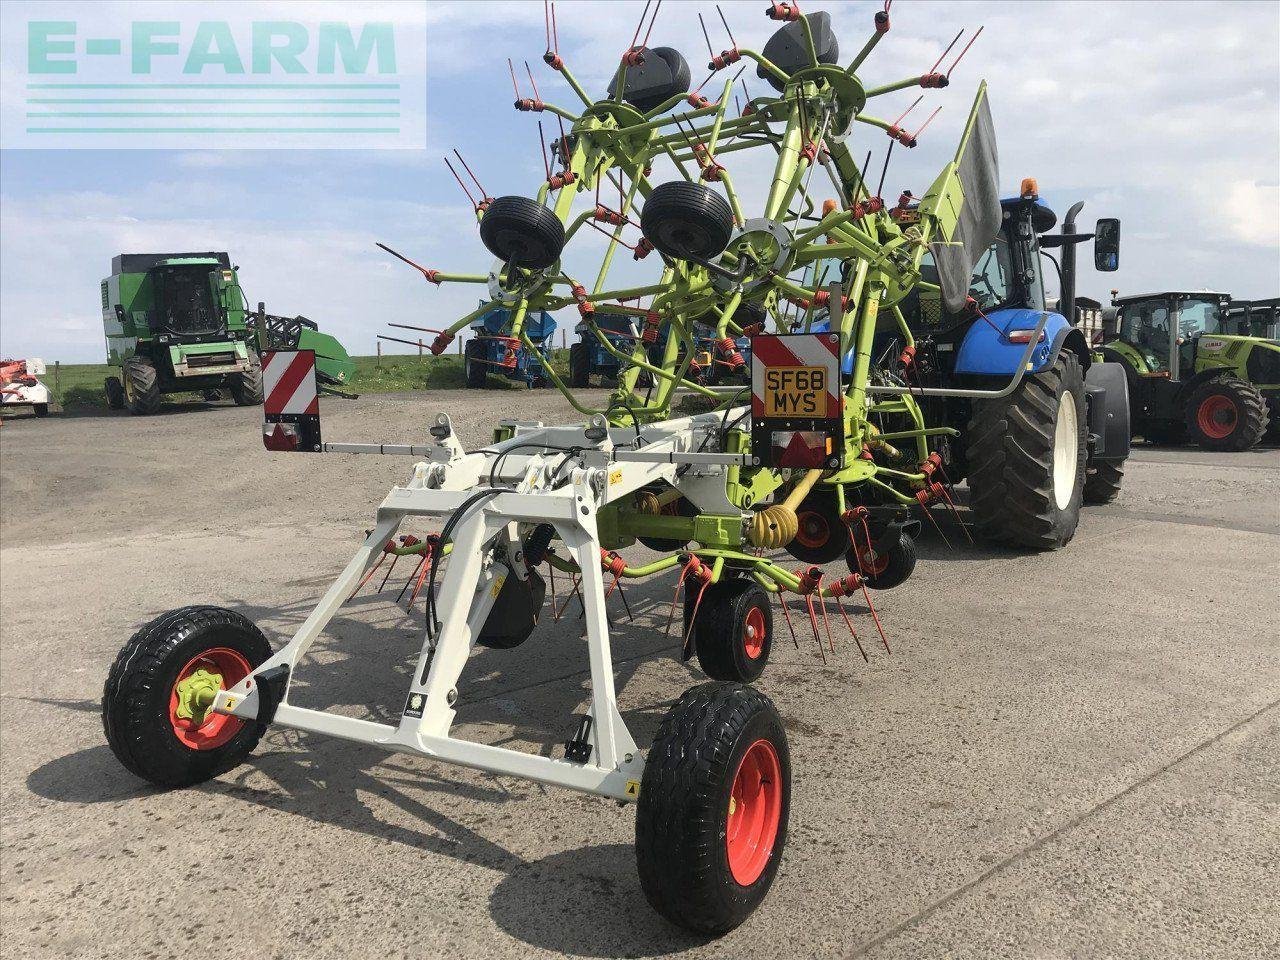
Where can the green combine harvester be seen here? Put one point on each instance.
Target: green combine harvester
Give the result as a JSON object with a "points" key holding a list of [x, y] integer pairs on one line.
{"points": [[177, 322], [1191, 377]]}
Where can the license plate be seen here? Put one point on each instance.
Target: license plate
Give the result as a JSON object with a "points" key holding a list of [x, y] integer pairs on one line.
{"points": [[795, 392]]}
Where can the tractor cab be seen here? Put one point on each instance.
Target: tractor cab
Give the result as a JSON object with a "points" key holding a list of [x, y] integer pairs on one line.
{"points": [[1159, 334], [1253, 318]]}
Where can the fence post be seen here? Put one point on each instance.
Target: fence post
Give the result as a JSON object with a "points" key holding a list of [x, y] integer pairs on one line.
{"points": [[379, 363], [57, 379], [459, 346], [419, 348]]}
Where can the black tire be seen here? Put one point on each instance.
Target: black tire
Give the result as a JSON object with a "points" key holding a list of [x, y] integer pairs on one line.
{"points": [[136, 699], [683, 815], [680, 508], [522, 231], [114, 390], [40, 409], [579, 364], [1227, 414], [734, 631], [822, 536], [688, 221], [474, 370], [141, 385], [246, 388], [1102, 484], [1011, 442], [889, 566]]}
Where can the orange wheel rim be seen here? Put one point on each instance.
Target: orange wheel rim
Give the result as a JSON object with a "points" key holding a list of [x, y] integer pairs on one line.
{"points": [[755, 810], [753, 633], [210, 730], [1217, 416], [812, 531]]}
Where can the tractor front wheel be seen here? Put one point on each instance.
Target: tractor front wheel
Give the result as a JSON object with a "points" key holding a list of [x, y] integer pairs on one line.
{"points": [[711, 819], [155, 705], [734, 630], [1227, 414], [246, 387], [141, 385], [1027, 459]]}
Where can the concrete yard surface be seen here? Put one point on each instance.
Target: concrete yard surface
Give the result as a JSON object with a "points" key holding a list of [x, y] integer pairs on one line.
{"points": [[1066, 755]]}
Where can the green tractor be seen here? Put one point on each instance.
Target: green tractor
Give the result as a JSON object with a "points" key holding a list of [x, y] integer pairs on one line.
{"points": [[175, 322], [1189, 376], [1254, 318]]}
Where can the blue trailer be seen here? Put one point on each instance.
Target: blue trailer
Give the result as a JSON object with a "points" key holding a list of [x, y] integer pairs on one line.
{"points": [[492, 349], [587, 356]]}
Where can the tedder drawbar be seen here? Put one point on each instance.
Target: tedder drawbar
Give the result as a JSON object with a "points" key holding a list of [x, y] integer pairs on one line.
{"points": [[717, 493]]}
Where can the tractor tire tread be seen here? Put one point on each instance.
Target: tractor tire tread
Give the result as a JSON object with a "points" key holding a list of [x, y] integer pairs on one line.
{"points": [[143, 396]]}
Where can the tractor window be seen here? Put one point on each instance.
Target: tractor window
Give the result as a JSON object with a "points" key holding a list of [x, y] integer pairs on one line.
{"points": [[992, 276], [1199, 315], [1146, 326]]}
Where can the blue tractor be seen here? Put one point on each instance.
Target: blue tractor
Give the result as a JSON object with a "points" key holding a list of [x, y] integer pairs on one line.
{"points": [[491, 349]]}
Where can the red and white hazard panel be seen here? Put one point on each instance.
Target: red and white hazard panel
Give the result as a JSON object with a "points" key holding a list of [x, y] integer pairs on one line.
{"points": [[291, 402], [797, 408]]}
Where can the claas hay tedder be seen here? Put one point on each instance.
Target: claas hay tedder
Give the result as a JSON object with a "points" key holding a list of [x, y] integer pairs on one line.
{"points": [[717, 493]]}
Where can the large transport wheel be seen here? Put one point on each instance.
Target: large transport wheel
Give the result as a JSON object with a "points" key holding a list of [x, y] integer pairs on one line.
{"points": [[1027, 456], [474, 370], [821, 535], [1226, 413], [579, 364], [246, 388], [1102, 483], [522, 231], [688, 221], [154, 704], [114, 390], [734, 630], [141, 385], [711, 820], [885, 565]]}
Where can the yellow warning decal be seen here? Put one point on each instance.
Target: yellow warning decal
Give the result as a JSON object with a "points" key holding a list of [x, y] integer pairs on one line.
{"points": [[633, 788], [615, 476], [497, 586]]}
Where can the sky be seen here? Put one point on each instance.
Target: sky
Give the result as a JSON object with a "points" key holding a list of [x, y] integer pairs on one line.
{"points": [[1166, 115]]}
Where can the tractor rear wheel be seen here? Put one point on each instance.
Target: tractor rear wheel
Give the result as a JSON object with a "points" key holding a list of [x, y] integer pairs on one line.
{"points": [[246, 388], [579, 365], [1027, 459], [1102, 483], [141, 385], [1226, 413], [711, 819], [115, 393], [734, 630], [474, 369], [155, 702]]}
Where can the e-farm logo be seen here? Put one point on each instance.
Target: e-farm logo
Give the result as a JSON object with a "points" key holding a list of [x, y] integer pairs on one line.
{"points": [[181, 79]]}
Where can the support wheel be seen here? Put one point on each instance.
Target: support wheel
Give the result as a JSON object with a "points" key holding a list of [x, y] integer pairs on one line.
{"points": [[474, 368], [579, 365], [522, 231], [40, 409], [141, 385], [246, 388], [155, 702], [114, 390], [734, 630], [821, 535], [885, 565], [711, 821], [1102, 484], [688, 221], [1226, 414], [1027, 459]]}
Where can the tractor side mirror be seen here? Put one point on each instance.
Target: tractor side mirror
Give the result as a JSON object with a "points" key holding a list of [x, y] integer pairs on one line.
{"points": [[1106, 245]]}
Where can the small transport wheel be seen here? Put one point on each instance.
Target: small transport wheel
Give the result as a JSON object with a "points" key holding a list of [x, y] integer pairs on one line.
{"points": [[246, 388], [114, 390], [155, 702], [522, 231], [688, 221], [677, 508], [1227, 414], [1102, 483], [885, 565], [474, 369], [734, 630], [579, 365], [711, 820], [821, 535], [141, 385]]}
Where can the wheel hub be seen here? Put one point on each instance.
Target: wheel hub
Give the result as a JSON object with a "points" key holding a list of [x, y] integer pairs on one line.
{"points": [[195, 695]]}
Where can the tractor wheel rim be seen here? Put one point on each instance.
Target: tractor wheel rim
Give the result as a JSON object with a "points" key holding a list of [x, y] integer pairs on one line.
{"points": [[753, 633], [205, 730], [755, 810], [1066, 451], [1217, 416], [812, 530]]}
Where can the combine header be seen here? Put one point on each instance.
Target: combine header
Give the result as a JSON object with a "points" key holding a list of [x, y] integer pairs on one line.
{"points": [[804, 452]]}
